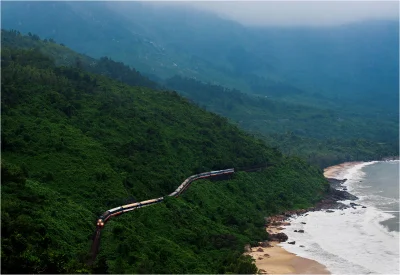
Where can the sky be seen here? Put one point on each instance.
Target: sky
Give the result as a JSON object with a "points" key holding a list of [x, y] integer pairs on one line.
{"points": [[297, 12]]}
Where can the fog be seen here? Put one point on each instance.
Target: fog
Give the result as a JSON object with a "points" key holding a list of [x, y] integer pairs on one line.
{"points": [[299, 13]]}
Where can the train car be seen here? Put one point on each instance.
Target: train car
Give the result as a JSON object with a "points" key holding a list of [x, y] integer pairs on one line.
{"points": [[160, 199], [116, 209], [129, 209], [186, 187], [148, 202], [135, 204], [117, 213], [203, 175]]}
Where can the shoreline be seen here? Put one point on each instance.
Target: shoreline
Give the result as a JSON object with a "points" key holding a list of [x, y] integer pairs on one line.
{"points": [[270, 258], [333, 171]]}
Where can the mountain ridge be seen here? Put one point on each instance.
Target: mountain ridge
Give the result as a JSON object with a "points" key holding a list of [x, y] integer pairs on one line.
{"points": [[231, 55]]}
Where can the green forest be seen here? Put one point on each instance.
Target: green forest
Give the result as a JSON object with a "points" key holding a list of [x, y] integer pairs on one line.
{"points": [[323, 135], [81, 138]]}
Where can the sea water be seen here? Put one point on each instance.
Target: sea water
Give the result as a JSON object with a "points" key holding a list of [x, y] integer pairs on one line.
{"points": [[355, 241]]}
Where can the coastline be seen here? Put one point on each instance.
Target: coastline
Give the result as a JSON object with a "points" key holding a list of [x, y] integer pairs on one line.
{"points": [[333, 171], [270, 258]]}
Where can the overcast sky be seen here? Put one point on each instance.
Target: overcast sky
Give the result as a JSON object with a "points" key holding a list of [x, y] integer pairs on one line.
{"points": [[296, 12]]}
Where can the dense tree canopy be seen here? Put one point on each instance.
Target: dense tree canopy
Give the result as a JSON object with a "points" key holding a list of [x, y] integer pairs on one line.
{"points": [[75, 144], [322, 135]]}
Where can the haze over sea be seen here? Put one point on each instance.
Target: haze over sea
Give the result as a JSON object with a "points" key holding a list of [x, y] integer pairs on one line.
{"points": [[360, 240]]}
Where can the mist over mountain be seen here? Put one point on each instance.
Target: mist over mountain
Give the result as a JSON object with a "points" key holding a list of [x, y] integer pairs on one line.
{"points": [[109, 103], [354, 64]]}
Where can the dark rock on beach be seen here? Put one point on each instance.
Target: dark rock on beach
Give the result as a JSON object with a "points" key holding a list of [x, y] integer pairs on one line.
{"points": [[280, 237], [264, 244], [340, 195], [292, 242], [333, 196], [336, 183]]}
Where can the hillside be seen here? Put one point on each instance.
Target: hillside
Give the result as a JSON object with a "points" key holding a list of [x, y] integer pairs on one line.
{"points": [[340, 135], [75, 144], [64, 56], [322, 136], [347, 67]]}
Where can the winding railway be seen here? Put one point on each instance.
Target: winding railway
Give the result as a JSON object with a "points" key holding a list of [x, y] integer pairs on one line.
{"points": [[106, 216]]}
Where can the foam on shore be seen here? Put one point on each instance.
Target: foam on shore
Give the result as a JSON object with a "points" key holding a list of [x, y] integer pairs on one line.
{"points": [[350, 240]]}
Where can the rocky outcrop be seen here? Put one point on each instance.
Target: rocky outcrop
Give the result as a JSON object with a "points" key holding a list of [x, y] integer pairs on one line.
{"points": [[340, 195], [279, 237], [264, 244], [336, 183]]}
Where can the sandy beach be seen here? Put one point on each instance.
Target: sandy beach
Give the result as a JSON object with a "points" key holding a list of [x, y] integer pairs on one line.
{"points": [[333, 171], [276, 260], [270, 258]]}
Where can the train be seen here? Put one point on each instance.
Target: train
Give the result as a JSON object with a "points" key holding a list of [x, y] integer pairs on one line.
{"points": [[181, 188]]}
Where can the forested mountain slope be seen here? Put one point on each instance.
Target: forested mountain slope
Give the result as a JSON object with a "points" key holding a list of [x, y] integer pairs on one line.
{"points": [[75, 144], [352, 66], [64, 56], [323, 136]]}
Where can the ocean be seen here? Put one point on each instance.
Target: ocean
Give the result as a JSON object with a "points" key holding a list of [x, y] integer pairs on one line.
{"points": [[355, 241]]}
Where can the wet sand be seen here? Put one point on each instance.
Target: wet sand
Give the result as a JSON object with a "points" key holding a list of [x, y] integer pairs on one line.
{"points": [[276, 260]]}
